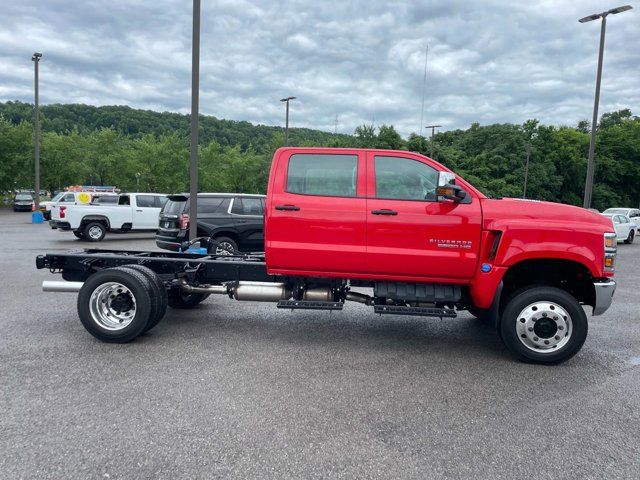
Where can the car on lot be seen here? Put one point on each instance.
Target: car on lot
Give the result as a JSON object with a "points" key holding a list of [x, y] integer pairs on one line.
{"points": [[235, 222], [133, 212], [23, 202], [632, 213], [625, 229]]}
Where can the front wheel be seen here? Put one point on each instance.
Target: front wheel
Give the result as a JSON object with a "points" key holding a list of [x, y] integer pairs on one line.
{"points": [[543, 325], [630, 238]]}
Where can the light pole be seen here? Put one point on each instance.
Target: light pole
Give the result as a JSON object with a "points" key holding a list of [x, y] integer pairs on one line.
{"points": [[433, 137], [588, 187], [195, 94], [36, 126], [138, 181], [526, 170], [286, 119]]}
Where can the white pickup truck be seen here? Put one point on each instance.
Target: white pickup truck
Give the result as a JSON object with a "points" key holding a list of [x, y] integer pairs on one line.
{"points": [[134, 212]]}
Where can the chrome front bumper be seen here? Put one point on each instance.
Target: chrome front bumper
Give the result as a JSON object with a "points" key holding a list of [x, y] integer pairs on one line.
{"points": [[604, 296]]}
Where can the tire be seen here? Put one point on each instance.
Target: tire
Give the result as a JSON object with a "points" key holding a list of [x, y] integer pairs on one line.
{"points": [[551, 317], [630, 238], [94, 231], [160, 293], [178, 299], [114, 322], [223, 241], [78, 234]]}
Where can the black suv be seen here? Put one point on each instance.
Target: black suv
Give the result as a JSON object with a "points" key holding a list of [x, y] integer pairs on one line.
{"points": [[233, 220]]}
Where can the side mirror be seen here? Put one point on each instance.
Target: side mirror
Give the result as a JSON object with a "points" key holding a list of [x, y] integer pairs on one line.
{"points": [[447, 188]]}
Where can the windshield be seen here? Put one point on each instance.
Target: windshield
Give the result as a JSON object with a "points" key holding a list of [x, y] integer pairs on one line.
{"points": [[57, 197], [23, 197], [615, 211]]}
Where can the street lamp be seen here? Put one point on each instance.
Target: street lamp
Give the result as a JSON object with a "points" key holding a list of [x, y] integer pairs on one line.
{"points": [[137, 181], [36, 125], [286, 121], [433, 136], [588, 188]]}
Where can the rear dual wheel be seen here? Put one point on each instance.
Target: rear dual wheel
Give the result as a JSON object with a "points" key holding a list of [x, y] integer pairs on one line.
{"points": [[118, 304]]}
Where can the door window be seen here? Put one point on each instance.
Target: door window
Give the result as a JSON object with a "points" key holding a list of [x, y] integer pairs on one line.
{"points": [[124, 200], [69, 197], [146, 201], [405, 179], [247, 206], [325, 175], [208, 205]]}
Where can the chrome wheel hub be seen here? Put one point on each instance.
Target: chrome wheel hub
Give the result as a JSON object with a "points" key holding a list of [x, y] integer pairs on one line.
{"points": [[224, 248], [544, 327], [112, 306], [95, 232]]}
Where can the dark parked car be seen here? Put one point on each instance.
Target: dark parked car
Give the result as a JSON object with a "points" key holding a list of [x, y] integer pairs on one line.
{"points": [[233, 220], [23, 202]]}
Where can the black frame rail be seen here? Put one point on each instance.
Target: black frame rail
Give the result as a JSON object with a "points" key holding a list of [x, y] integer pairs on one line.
{"points": [[77, 266]]}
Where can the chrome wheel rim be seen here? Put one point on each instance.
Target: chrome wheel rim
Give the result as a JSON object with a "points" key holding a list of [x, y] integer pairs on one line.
{"points": [[112, 306], [95, 232], [224, 248], [544, 327]]}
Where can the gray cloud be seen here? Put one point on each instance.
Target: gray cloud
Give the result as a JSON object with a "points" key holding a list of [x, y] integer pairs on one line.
{"points": [[489, 61]]}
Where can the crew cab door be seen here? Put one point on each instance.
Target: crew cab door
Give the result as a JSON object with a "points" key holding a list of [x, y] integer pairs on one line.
{"points": [[145, 212], [410, 233], [315, 218]]}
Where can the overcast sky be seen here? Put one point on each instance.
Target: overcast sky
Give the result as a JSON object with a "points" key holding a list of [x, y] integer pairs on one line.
{"points": [[489, 61]]}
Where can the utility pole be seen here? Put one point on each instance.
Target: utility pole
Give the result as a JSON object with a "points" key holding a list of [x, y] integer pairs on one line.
{"points": [[424, 85], [588, 187], [526, 170], [433, 138], [36, 126], [286, 100], [195, 96], [335, 130]]}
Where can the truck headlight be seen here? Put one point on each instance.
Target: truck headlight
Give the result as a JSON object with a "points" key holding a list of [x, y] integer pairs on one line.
{"points": [[610, 249]]}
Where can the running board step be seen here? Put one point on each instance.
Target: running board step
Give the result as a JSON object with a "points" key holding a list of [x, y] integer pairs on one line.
{"points": [[305, 305], [421, 311]]}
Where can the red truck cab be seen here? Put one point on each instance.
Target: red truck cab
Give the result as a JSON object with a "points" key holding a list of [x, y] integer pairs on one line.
{"points": [[377, 216]]}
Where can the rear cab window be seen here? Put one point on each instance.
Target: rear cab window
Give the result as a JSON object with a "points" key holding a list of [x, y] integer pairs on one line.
{"points": [[146, 201], [329, 175]]}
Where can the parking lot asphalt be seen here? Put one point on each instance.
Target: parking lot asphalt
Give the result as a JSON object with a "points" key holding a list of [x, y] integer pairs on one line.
{"points": [[242, 390]]}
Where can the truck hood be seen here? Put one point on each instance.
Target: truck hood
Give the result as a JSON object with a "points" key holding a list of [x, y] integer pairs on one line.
{"points": [[512, 212]]}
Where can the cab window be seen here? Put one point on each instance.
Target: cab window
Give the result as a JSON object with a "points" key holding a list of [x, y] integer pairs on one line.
{"points": [[146, 201], [405, 179], [325, 175]]}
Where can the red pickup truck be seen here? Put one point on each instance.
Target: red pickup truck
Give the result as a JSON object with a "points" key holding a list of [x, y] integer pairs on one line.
{"points": [[393, 230]]}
